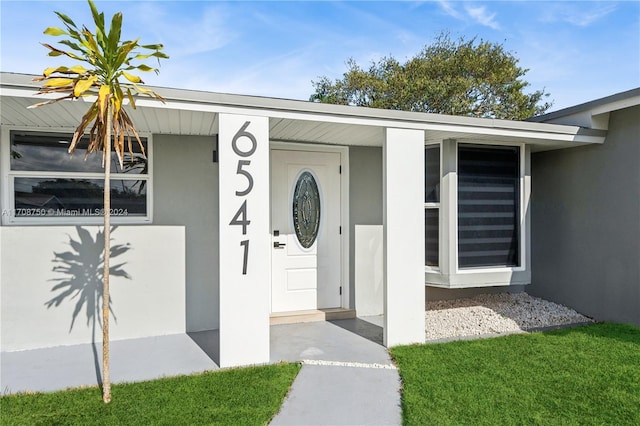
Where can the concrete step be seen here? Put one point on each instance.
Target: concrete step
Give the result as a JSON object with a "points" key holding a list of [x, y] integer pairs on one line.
{"points": [[311, 315]]}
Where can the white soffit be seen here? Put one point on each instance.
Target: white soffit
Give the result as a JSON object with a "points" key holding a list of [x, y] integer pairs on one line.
{"points": [[188, 112]]}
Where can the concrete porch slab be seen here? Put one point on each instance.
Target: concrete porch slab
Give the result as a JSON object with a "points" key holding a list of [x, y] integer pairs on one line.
{"points": [[62, 367], [311, 315], [346, 378], [327, 341]]}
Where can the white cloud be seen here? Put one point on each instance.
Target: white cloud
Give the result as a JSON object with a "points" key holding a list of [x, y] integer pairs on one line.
{"points": [[480, 15], [581, 15], [476, 14], [449, 9], [187, 34]]}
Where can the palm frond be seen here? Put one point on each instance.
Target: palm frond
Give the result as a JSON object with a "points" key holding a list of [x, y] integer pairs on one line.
{"points": [[109, 59]]}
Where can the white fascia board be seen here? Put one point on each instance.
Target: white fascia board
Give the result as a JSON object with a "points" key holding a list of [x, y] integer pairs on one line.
{"points": [[542, 132], [572, 135], [37, 97], [617, 105], [18, 93], [590, 113], [356, 116]]}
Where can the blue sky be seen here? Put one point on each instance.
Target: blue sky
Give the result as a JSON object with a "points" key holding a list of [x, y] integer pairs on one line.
{"points": [[576, 50]]}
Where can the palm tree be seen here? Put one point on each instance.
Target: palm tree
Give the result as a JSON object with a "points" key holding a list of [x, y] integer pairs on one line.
{"points": [[107, 60]]}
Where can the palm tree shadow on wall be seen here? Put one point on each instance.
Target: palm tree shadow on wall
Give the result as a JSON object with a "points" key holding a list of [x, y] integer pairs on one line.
{"points": [[82, 270]]}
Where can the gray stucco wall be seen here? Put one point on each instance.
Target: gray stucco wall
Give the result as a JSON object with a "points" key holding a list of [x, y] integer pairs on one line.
{"points": [[586, 224], [185, 183], [365, 198], [436, 293]]}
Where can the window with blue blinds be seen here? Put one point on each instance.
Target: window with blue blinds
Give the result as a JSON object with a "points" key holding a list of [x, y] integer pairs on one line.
{"points": [[488, 206], [432, 205], [432, 237]]}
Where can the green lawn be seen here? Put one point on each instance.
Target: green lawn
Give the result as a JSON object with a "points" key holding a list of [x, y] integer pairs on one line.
{"points": [[584, 375], [247, 396]]}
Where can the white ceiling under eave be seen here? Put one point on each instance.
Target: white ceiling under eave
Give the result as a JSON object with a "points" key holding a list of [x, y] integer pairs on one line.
{"points": [[66, 115], [196, 113]]}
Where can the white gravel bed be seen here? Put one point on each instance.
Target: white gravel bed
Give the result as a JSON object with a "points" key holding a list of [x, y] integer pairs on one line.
{"points": [[494, 314]]}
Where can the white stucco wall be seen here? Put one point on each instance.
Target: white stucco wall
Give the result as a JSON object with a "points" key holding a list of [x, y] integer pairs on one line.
{"points": [[365, 203], [244, 240], [36, 259], [185, 193], [403, 220], [369, 270]]}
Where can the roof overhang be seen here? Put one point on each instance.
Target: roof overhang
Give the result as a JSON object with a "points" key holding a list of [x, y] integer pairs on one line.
{"points": [[593, 114], [190, 112]]}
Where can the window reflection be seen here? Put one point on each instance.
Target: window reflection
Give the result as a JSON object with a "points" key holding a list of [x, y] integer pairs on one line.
{"points": [[49, 153], [50, 197]]}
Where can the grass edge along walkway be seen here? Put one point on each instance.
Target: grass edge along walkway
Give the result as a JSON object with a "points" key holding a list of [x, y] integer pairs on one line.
{"points": [[247, 396], [583, 375]]}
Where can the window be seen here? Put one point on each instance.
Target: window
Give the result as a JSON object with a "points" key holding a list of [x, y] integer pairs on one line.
{"points": [[47, 182], [432, 205], [306, 209], [477, 214], [488, 206]]}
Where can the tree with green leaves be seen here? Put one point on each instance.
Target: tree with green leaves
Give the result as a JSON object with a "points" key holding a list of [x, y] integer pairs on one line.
{"points": [[105, 60], [459, 77]]}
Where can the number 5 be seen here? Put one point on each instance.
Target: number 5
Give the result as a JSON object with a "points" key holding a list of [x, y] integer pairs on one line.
{"points": [[247, 175]]}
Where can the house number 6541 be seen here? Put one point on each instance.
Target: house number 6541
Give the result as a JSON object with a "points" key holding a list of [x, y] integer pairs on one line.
{"points": [[240, 218]]}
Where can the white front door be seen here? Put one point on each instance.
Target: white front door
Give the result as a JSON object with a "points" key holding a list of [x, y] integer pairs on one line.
{"points": [[305, 225]]}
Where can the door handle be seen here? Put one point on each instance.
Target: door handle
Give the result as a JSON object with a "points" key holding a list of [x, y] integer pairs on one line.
{"points": [[279, 245]]}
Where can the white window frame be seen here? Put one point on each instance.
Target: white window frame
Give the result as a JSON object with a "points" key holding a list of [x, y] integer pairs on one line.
{"points": [[8, 176], [449, 275]]}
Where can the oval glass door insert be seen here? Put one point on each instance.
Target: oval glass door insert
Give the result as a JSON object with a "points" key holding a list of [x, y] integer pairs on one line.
{"points": [[306, 209]]}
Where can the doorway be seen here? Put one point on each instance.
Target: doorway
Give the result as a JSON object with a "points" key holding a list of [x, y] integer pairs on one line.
{"points": [[306, 230]]}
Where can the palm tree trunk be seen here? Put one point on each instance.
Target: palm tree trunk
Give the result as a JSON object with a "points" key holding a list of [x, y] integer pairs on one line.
{"points": [[106, 381]]}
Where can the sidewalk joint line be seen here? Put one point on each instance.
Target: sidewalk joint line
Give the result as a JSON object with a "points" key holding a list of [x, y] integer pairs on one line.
{"points": [[348, 364]]}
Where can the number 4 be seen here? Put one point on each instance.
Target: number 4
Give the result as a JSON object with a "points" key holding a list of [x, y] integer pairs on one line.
{"points": [[240, 218]]}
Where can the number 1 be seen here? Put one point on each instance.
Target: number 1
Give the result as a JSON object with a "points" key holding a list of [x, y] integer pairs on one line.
{"points": [[245, 243]]}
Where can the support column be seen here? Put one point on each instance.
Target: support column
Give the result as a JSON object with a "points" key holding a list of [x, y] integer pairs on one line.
{"points": [[403, 239], [245, 261]]}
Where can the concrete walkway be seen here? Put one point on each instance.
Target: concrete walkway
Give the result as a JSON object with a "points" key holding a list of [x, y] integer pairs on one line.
{"points": [[347, 377]]}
